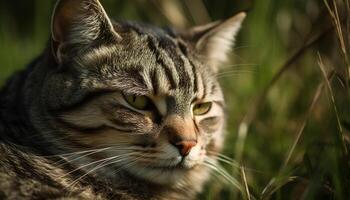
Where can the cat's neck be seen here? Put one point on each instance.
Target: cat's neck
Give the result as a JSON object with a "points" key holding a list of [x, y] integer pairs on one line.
{"points": [[15, 124]]}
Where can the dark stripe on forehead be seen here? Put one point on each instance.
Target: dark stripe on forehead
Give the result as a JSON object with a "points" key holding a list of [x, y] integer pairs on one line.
{"points": [[184, 51], [155, 81], [132, 78], [170, 48], [195, 78], [133, 72], [204, 84], [152, 46]]}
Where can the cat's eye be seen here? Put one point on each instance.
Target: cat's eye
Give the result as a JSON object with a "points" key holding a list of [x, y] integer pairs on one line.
{"points": [[202, 108], [138, 102]]}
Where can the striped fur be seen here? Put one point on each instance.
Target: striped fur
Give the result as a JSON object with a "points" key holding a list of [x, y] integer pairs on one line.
{"points": [[67, 132]]}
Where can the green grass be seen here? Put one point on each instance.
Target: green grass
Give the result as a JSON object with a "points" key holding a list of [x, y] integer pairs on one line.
{"points": [[288, 120]]}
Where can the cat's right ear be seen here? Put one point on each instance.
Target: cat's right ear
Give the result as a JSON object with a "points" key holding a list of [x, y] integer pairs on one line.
{"points": [[215, 40], [78, 23]]}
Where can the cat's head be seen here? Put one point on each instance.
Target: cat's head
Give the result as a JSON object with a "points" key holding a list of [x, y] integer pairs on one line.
{"points": [[145, 100]]}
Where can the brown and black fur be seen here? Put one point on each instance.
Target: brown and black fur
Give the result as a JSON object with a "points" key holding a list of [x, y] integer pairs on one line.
{"points": [[69, 100]]}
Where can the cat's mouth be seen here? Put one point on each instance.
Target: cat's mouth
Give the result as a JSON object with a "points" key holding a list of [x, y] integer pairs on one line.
{"points": [[165, 172], [184, 164], [178, 167]]}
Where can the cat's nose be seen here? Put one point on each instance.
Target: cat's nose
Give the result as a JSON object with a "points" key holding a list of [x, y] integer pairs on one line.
{"points": [[181, 133], [185, 146]]}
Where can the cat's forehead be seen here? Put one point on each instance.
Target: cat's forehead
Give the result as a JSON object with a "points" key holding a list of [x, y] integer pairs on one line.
{"points": [[148, 61], [145, 29]]}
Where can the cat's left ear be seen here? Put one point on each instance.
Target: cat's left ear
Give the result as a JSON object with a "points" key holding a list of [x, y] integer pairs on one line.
{"points": [[215, 40], [76, 24]]}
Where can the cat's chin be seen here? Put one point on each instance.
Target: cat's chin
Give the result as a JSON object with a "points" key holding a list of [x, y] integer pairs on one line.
{"points": [[168, 175]]}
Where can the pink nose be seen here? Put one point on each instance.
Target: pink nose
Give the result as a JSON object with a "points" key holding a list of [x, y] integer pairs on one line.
{"points": [[185, 146]]}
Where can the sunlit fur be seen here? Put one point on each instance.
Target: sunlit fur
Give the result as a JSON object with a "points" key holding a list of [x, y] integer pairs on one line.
{"points": [[73, 101]]}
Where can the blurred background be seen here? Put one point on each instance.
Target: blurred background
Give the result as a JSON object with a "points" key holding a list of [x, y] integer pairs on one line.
{"points": [[287, 87]]}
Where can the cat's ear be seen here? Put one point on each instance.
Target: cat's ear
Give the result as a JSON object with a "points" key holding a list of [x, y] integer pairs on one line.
{"points": [[215, 40], [78, 23]]}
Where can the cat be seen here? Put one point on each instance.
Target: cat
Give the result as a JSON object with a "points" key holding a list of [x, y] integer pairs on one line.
{"points": [[115, 110]]}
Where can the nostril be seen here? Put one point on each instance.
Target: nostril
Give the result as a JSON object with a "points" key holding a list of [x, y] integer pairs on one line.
{"points": [[185, 147]]}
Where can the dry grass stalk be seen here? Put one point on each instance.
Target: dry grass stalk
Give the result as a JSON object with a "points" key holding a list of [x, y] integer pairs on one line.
{"points": [[278, 181], [332, 99], [245, 184]]}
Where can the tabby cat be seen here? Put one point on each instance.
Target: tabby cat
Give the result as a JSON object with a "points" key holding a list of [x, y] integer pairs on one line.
{"points": [[114, 110]]}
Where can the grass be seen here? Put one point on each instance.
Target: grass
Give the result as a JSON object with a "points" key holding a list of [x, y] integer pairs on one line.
{"points": [[287, 87]]}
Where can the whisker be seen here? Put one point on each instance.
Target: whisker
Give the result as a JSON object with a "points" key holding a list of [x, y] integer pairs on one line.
{"points": [[242, 47], [230, 161], [89, 164], [252, 65], [66, 157], [223, 156], [126, 165], [240, 69], [74, 156], [227, 162], [242, 65], [235, 72], [209, 163], [80, 157], [99, 166], [77, 153]]}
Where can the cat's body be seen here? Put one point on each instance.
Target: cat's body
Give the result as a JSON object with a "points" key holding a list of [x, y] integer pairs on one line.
{"points": [[114, 111], [26, 176]]}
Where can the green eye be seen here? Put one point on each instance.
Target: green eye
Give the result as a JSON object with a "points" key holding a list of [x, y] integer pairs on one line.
{"points": [[202, 108], [138, 102]]}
